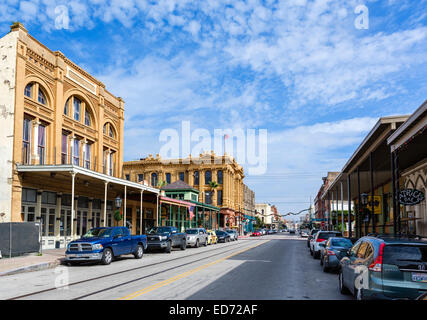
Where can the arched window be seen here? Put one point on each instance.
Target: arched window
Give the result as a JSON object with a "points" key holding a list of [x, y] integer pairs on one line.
{"points": [[42, 97], [67, 107], [208, 177], [29, 90], [196, 178], [87, 117], [76, 108], [154, 179], [219, 177], [109, 130], [34, 90]]}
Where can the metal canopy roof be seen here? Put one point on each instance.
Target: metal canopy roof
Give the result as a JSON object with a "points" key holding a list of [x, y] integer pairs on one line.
{"points": [[86, 172]]}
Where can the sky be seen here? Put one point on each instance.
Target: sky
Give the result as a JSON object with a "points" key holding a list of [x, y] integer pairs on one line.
{"points": [[315, 74]]}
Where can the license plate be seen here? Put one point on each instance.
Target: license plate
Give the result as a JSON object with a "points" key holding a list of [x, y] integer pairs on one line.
{"points": [[419, 277]]}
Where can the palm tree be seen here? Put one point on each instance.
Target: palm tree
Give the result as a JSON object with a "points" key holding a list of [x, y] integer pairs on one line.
{"points": [[161, 184], [213, 185]]}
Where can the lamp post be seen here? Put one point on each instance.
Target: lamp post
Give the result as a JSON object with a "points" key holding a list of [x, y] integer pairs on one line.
{"points": [[118, 204]]}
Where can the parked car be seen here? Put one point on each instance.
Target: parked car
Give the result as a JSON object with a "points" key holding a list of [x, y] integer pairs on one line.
{"points": [[320, 237], [311, 235], [385, 267], [256, 233], [291, 231], [263, 231], [223, 236], [196, 237], [332, 251], [304, 234], [270, 231], [212, 238], [104, 244], [166, 238], [233, 234]]}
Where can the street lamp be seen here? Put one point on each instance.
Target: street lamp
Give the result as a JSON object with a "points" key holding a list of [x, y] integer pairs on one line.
{"points": [[364, 197], [118, 202]]}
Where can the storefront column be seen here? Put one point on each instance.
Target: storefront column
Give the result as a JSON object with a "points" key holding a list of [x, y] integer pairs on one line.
{"points": [[124, 211], [204, 218], [90, 217], [105, 204], [371, 171], [349, 204], [342, 211], [57, 231], [157, 210], [73, 176], [359, 207]]}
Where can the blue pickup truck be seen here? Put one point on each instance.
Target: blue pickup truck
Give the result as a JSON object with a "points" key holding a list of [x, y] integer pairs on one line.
{"points": [[103, 244]]}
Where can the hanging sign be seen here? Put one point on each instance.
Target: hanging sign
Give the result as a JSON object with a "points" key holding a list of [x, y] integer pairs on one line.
{"points": [[411, 197]]}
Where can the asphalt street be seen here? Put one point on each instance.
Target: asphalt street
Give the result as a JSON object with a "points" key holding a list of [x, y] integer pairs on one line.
{"points": [[271, 267]]}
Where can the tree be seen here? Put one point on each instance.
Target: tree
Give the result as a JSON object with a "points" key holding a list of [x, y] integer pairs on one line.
{"points": [[161, 184]]}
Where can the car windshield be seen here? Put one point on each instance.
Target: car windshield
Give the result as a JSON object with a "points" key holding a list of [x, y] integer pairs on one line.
{"points": [[191, 231], [159, 230], [98, 233], [346, 243]]}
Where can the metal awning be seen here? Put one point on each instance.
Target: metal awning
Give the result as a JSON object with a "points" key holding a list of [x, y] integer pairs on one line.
{"points": [[72, 169], [375, 143]]}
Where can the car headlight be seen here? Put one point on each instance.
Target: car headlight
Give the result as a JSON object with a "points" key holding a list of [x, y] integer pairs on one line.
{"points": [[97, 246]]}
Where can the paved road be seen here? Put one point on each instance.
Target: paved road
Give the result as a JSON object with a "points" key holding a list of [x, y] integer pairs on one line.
{"points": [[271, 267]]}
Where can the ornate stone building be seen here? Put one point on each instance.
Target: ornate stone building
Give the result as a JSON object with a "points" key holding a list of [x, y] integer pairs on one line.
{"points": [[198, 173], [61, 150]]}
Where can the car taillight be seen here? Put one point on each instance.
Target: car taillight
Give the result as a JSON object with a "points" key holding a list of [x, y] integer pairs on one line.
{"points": [[377, 265], [320, 240], [331, 253]]}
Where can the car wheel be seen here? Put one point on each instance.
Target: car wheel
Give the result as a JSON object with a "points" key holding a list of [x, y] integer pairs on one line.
{"points": [[139, 252], [342, 287], [107, 256], [169, 248], [197, 243], [325, 267], [206, 243], [183, 244]]}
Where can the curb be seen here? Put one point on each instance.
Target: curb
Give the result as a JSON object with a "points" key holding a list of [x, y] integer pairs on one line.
{"points": [[33, 267]]}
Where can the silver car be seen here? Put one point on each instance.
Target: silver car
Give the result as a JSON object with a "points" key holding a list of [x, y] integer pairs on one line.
{"points": [[196, 237], [233, 234]]}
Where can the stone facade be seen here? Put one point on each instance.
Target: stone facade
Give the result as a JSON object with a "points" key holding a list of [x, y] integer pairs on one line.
{"points": [[196, 172], [248, 201]]}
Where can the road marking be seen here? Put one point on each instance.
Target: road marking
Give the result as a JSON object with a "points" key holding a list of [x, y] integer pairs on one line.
{"points": [[185, 274]]}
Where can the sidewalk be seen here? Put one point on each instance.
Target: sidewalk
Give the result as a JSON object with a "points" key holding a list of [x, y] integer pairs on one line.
{"points": [[32, 262]]}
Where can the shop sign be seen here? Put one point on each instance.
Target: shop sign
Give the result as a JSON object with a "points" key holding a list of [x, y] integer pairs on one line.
{"points": [[411, 197]]}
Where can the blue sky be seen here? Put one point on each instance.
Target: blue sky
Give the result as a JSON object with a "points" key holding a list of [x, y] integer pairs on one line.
{"points": [[298, 68]]}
